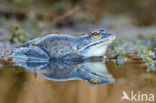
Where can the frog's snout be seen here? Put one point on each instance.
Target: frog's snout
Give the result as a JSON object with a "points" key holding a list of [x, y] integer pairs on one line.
{"points": [[112, 36], [108, 36]]}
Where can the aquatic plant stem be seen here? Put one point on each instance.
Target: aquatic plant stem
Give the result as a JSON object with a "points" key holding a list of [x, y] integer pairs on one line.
{"points": [[148, 59], [149, 48]]}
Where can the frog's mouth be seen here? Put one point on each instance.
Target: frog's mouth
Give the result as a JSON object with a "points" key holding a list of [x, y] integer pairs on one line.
{"points": [[105, 41]]}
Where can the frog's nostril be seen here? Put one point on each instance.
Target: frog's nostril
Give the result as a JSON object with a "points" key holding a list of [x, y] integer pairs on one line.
{"points": [[102, 31]]}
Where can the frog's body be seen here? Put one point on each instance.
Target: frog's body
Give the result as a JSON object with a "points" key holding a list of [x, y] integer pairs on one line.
{"points": [[57, 45]]}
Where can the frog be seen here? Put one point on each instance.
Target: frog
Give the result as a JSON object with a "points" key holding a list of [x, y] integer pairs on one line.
{"points": [[91, 70], [63, 57], [64, 46]]}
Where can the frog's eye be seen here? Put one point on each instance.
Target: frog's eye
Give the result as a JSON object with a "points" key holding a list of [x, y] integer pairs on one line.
{"points": [[95, 35], [94, 81]]}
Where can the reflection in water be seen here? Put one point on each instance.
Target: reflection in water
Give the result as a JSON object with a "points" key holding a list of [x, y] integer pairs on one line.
{"points": [[92, 70]]}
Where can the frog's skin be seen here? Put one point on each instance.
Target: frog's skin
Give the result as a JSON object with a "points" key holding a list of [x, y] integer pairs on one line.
{"points": [[57, 45], [64, 70]]}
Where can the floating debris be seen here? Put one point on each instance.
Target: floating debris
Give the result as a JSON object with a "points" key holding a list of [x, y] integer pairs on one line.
{"points": [[120, 60], [151, 65]]}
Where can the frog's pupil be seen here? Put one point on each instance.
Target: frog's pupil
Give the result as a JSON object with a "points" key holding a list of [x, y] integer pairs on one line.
{"points": [[94, 82], [95, 33]]}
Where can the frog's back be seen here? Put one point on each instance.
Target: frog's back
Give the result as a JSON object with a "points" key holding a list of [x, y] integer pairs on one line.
{"points": [[50, 37], [54, 44]]}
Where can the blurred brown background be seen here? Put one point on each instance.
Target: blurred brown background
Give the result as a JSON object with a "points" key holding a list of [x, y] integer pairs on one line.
{"points": [[30, 18], [141, 11]]}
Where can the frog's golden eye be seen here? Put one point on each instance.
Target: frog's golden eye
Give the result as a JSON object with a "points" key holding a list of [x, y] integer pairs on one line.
{"points": [[95, 35], [95, 81]]}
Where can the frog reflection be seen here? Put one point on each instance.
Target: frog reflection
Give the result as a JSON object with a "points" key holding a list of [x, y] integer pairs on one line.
{"points": [[94, 72]]}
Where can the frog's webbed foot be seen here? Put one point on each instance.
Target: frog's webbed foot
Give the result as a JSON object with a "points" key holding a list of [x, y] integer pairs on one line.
{"points": [[29, 57]]}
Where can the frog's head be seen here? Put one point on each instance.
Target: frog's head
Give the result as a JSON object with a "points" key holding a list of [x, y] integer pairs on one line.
{"points": [[95, 73], [95, 43]]}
